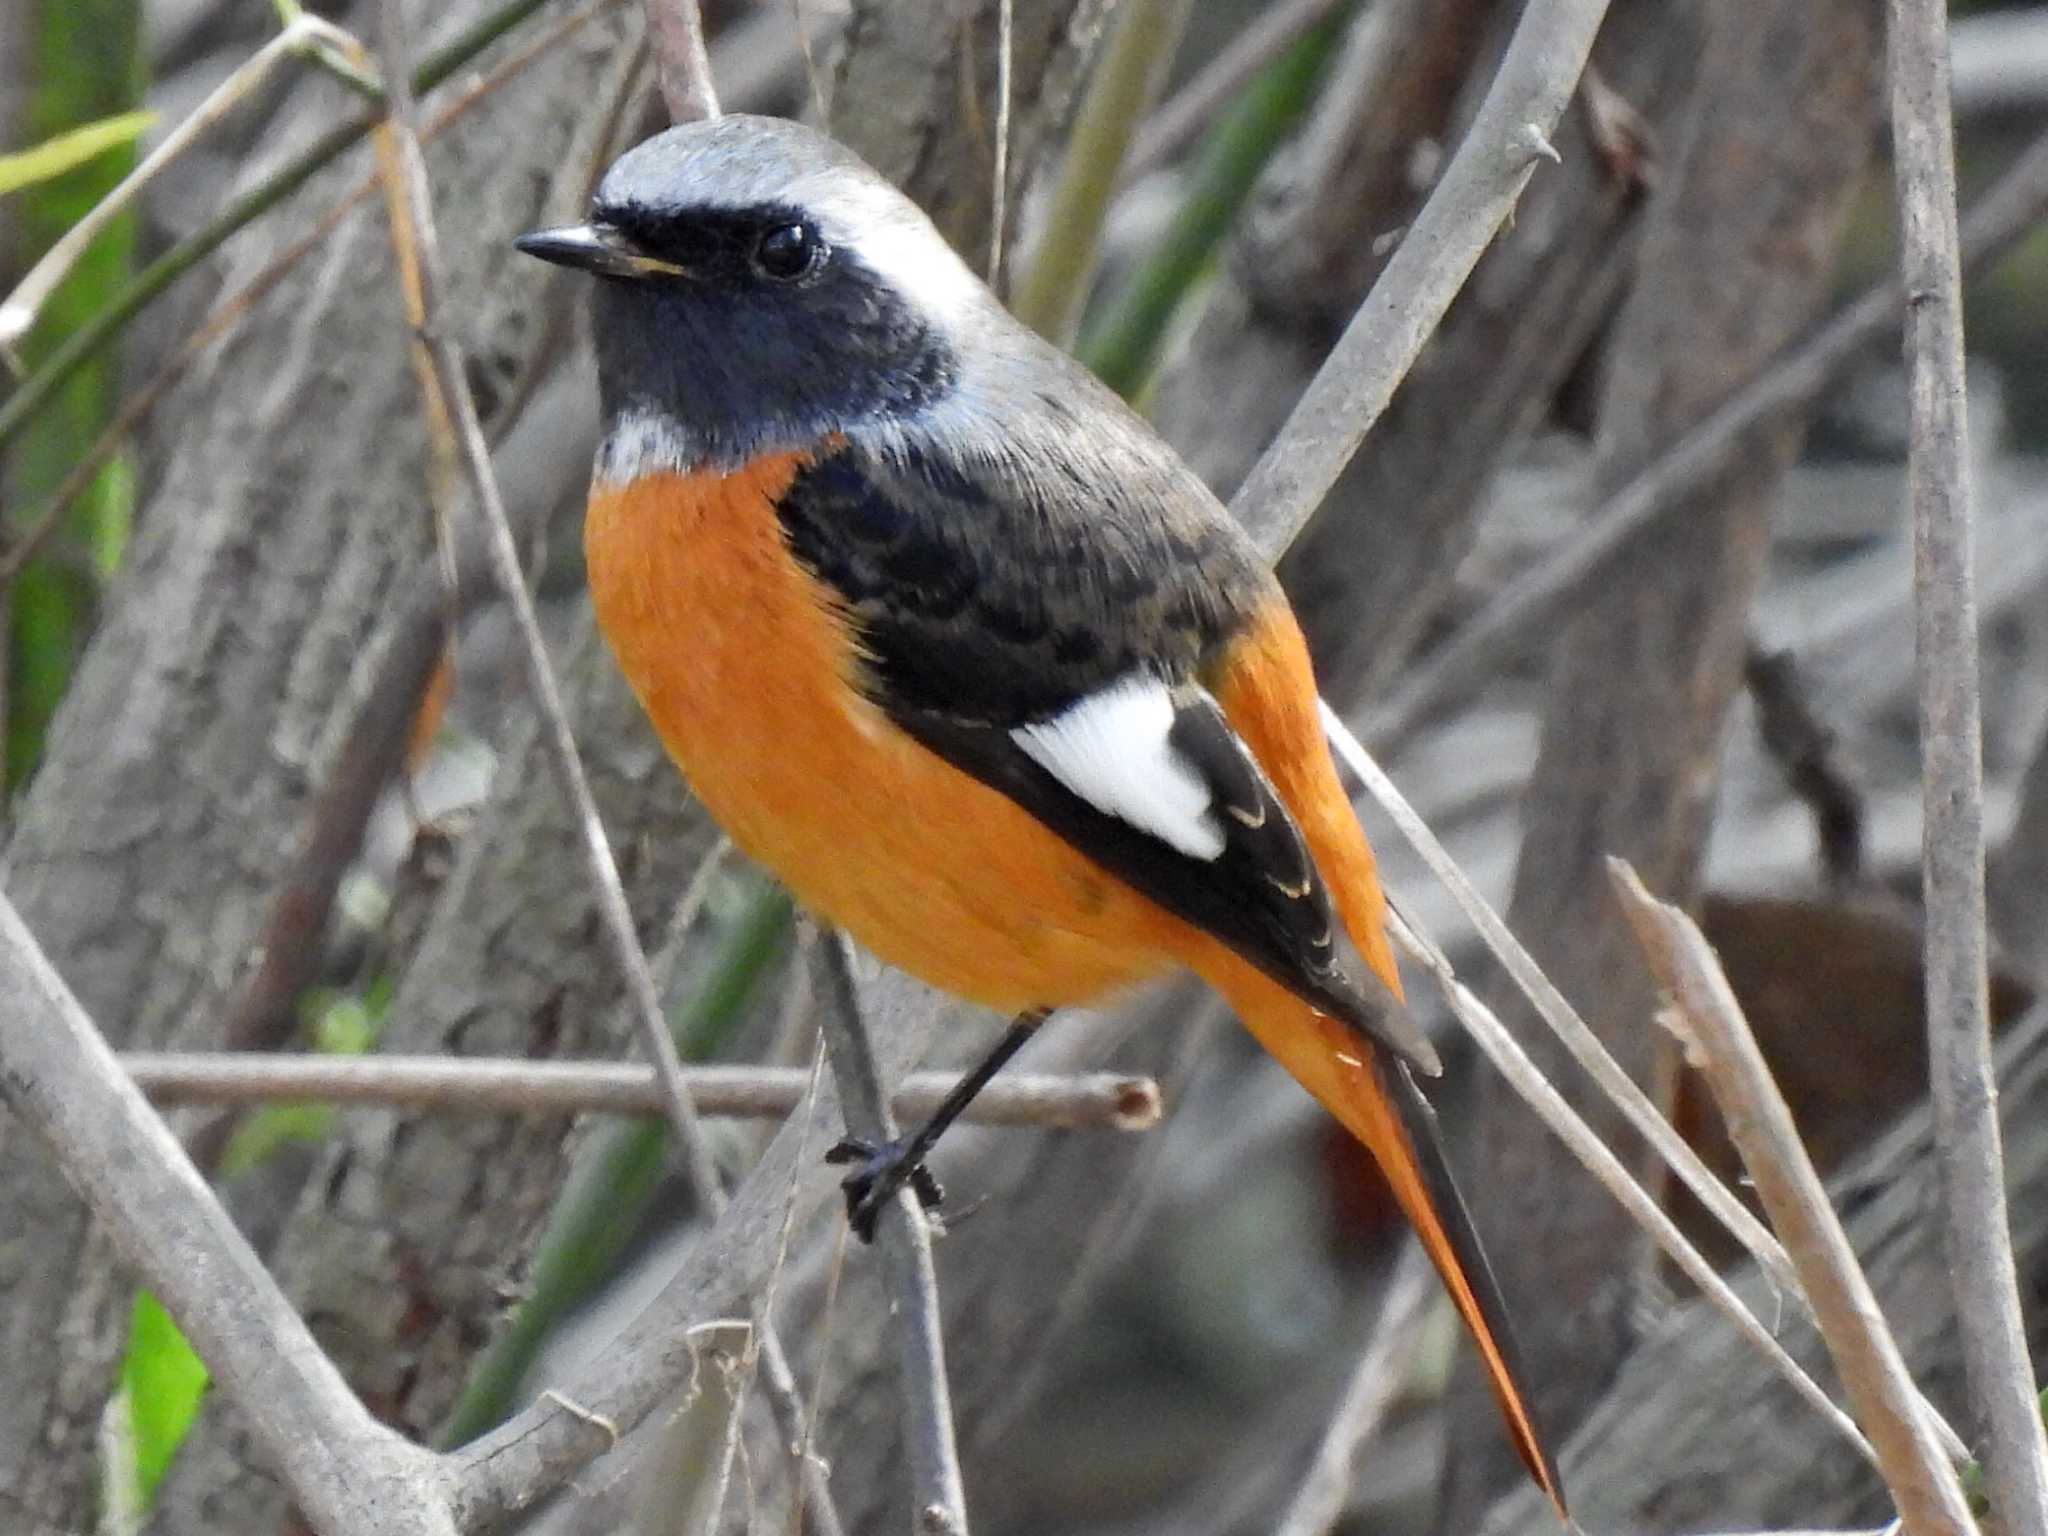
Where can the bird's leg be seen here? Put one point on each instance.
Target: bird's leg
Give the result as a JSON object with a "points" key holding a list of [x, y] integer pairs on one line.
{"points": [[881, 1170]]}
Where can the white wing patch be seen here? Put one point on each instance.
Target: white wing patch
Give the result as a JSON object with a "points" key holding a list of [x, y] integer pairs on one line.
{"points": [[1111, 749]]}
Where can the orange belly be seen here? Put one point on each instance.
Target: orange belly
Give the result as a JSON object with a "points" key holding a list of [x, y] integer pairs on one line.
{"points": [[745, 671]]}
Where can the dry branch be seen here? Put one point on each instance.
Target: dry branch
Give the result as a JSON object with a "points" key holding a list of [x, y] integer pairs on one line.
{"points": [[475, 1085], [1928, 1494], [1663, 1450], [1738, 240], [303, 33], [1565, 1022], [148, 869], [1965, 1092], [450, 399], [351, 1476], [1527, 1080]]}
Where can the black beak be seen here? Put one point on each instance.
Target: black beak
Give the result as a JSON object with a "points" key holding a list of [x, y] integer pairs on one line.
{"points": [[594, 248]]}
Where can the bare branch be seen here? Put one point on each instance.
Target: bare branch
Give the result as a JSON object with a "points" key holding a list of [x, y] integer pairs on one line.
{"points": [[1476, 195], [1564, 1020], [1965, 1091], [681, 60], [482, 1085], [1924, 1485], [1584, 1143], [352, 1476], [1785, 388], [1373, 1387], [906, 1243], [300, 36]]}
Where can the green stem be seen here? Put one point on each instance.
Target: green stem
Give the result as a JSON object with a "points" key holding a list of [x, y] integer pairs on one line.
{"points": [[614, 1183], [1122, 346], [1126, 82], [89, 339]]}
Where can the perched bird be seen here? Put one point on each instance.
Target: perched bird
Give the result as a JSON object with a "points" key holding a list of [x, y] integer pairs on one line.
{"points": [[948, 638]]}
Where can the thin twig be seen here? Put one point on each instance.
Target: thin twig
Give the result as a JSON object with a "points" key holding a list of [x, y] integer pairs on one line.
{"points": [[1474, 197], [789, 1421], [291, 945], [1375, 1384], [1563, 1019], [940, 1501], [498, 1086], [1191, 108], [1965, 1089], [1591, 1054], [350, 1475], [82, 345], [1925, 1489], [19, 545], [1783, 389], [681, 61], [19, 309], [1527, 1080], [999, 161], [813, 1500], [421, 254]]}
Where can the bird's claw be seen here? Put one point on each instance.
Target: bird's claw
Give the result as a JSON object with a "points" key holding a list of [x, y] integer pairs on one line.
{"points": [[881, 1169]]}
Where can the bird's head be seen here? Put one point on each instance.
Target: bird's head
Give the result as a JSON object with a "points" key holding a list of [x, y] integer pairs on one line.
{"points": [[760, 287]]}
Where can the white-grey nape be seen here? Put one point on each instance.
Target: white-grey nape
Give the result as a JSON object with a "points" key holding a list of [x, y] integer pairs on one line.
{"points": [[1111, 748]]}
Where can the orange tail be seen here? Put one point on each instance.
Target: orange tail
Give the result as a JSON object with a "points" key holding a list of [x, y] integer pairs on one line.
{"points": [[1377, 1101], [1268, 690]]}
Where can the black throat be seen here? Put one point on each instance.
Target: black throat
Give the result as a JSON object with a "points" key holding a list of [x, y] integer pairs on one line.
{"points": [[739, 368]]}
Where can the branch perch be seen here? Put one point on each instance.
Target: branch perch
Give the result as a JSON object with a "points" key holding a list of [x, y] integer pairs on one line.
{"points": [[481, 1085]]}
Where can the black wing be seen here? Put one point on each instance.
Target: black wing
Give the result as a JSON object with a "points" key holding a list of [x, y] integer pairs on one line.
{"points": [[979, 609]]}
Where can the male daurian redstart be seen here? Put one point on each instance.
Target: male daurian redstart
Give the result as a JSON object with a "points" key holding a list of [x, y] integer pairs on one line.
{"points": [[948, 638]]}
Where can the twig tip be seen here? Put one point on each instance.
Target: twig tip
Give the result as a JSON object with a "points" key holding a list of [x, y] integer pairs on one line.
{"points": [[1535, 144]]}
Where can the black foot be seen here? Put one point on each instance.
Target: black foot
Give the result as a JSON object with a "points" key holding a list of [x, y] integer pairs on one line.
{"points": [[879, 1173]]}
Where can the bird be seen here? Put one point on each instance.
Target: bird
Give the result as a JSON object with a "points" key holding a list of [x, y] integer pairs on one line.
{"points": [[947, 637]]}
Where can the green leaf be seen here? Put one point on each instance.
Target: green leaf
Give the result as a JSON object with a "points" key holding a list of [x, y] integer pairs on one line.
{"points": [[67, 151], [163, 1382]]}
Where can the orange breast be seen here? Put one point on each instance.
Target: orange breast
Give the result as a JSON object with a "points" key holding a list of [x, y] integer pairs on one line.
{"points": [[744, 668]]}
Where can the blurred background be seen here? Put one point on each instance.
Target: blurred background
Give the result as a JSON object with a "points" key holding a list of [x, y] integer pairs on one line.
{"points": [[272, 782]]}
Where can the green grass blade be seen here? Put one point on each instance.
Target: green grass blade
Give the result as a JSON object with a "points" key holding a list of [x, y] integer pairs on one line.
{"points": [[66, 152]]}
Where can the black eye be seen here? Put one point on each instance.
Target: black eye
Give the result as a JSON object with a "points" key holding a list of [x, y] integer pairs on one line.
{"points": [[788, 251]]}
